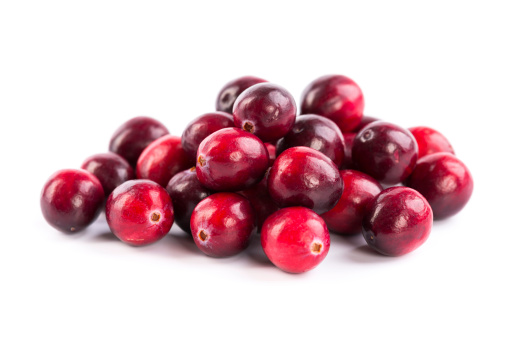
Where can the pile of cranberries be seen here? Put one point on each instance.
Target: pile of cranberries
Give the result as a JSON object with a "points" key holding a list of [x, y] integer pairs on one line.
{"points": [[256, 166]]}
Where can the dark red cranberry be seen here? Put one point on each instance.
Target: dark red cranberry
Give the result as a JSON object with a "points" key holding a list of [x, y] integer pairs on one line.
{"points": [[336, 97], [139, 212], [111, 170], [266, 110], [71, 200], [186, 192], [163, 159], [230, 92], [231, 159], [358, 190], [316, 132], [444, 181], [365, 120], [302, 176], [272, 153], [130, 139], [295, 239], [347, 157], [222, 224], [385, 151], [430, 141], [397, 221], [202, 127]]}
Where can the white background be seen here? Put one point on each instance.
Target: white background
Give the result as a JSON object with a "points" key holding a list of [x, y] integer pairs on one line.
{"points": [[71, 72]]}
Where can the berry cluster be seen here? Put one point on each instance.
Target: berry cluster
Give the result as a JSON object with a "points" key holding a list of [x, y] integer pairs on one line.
{"points": [[255, 164]]}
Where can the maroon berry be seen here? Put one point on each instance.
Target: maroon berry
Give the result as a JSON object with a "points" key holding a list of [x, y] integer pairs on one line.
{"points": [[316, 132], [365, 120], [266, 110], [347, 157], [222, 224], [162, 159], [111, 170], [295, 239], [139, 212], [385, 151], [231, 159], [302, 176], [71, 200], [186, 192], [397, 221], [230, 92], [202, 127], [336, 97], [272, 153], [430, 141], [444, 181], [130, 139]]}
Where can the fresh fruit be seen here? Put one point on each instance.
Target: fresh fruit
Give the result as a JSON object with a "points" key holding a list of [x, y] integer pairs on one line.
{"points": [[111, 169], [430, 141], [230, 92]]}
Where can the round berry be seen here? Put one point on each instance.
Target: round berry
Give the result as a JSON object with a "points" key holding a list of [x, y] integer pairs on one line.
{"points": [[230, 92], [430, 141], [111, 170]]}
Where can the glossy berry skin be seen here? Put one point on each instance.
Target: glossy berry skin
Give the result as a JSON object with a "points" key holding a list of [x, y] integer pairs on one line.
{"points": [[397, 221], [111, 169], [336, 97], [266, 110], [202, 127], [272, 153], [231, 159], [365, 120], [347, 157], [385, 151], [222, 224], [347, 215], [130, 139], [71, 200], [316, 132], [139, 212], [186, 192], [162, 159], [230, 92], [430, 141], [295, 239], [444, 181], [302, 176]]}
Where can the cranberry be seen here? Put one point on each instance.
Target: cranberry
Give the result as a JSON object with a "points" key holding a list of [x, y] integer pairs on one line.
{"points": [[130, 139], [139, 212], [397, 221], [186, 192], [272, 153], [163, 159], [202, 127], [302, 176], [295, 239], [230, 92], [316, 132], [336, 97], [385, 151], [266, 110], [358, 190], [365, 120], [111, 170], [231, 159], [347, 153], [430, 141], [222, 224], [71, 200], [444, 181]]}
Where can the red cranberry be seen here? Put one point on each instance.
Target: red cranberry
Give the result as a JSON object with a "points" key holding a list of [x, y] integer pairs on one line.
{"points": [[186, 192], [385, 151], [302, 176], [163, 159], [230, 92], [358, 190], [139, 212], [347, 157], [397, 221], [336, 97], [111, 170], [295, 239], [365, 120], [202, 127], [71, 200], [130, 139], [272, 153], [444, 181], [316, 132], [430, 141], [222, 224], [266, 110], [231, 159]]}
